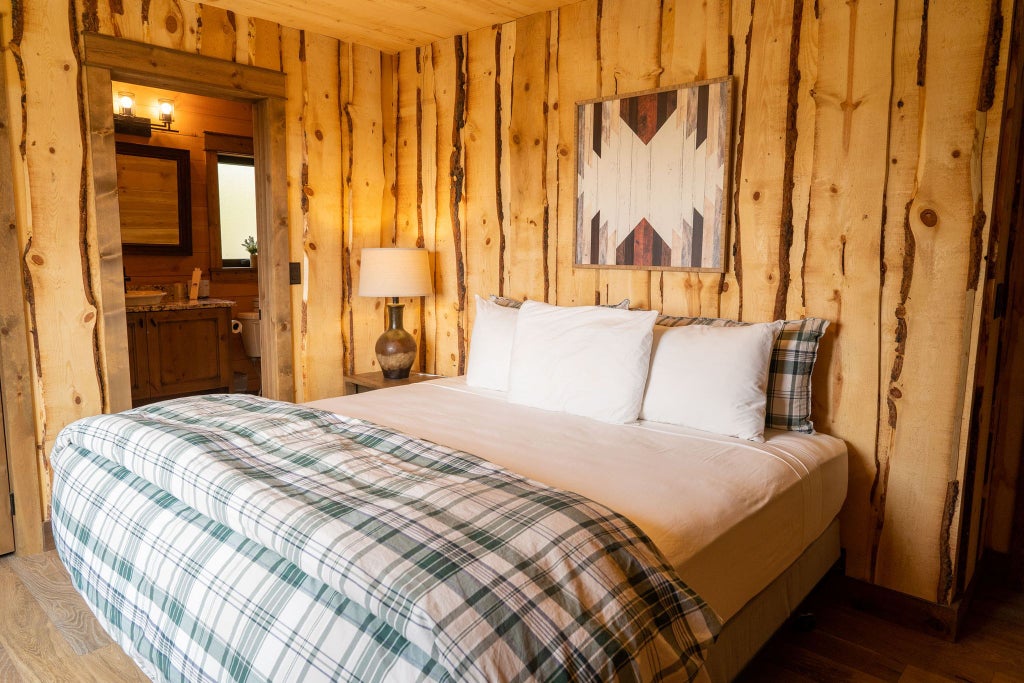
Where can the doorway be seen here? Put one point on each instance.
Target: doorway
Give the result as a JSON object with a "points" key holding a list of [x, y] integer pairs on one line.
{"points": [[186, 191], [108, 59]]}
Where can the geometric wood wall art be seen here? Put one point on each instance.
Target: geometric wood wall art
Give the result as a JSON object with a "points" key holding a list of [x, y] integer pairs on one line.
{"points": [[650, 178]]}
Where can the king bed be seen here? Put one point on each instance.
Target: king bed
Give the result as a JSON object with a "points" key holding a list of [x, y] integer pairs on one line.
{"points": [[438, 531]]}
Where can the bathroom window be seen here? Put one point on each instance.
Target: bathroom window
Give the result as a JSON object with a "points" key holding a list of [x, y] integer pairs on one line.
{"points": [[231, 198]]}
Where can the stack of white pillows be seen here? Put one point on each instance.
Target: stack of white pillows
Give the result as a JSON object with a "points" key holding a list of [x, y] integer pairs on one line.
{"points": [[616, 366]]}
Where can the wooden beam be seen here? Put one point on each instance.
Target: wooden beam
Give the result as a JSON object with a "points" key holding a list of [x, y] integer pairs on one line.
{"points": [[165, 68]]}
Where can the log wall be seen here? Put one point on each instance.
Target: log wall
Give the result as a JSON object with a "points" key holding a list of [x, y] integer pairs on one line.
{"points": [[863, 159], [864, 150], [57, 242]]}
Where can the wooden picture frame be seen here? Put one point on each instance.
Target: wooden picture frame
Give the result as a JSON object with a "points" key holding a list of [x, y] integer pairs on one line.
{"points": [[155, 198], [652, 173]]}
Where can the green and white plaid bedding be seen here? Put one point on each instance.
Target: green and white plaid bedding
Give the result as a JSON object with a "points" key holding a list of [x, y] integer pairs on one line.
{"points": [[235, 538]]}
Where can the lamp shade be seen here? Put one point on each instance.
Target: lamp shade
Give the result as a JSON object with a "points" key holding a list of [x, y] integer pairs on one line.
{"points": [[395, 272]]}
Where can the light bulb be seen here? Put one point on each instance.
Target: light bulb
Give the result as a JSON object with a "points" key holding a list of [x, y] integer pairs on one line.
{"points": [[126, 102], [166, 109]]}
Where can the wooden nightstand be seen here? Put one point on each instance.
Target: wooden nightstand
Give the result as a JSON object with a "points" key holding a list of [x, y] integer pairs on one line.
{"points": [[368, 381]]}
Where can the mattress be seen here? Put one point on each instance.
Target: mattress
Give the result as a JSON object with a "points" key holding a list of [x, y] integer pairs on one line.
{"points": [[729, 515]]}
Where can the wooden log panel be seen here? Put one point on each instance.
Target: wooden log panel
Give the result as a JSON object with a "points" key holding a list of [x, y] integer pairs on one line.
{"points": [[171, 23], [322, 217], [59, 283], [694, 47], [630, 61], [578, 78], [841, 270], [293, 62], [485, 217], [988, 241], [529, 238], [731, 298], [450, 295], [407, 187], [217, 32], [897, 251], [426, 183], [362, 121], [923, 494], [17, 379], [761, 191], [1005, 347]]}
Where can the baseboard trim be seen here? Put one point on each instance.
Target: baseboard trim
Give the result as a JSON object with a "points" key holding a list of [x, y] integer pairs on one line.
{"points": [[941, 621]]}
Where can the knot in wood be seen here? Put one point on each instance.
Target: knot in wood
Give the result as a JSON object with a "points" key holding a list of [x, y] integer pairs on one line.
{"points": [[929, 218]]}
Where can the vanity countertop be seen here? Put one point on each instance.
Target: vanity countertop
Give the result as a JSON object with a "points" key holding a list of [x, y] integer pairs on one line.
{"points": [[184, 305]]}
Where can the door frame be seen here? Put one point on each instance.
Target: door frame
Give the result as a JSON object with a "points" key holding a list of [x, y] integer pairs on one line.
{"points": [[106, 59]]}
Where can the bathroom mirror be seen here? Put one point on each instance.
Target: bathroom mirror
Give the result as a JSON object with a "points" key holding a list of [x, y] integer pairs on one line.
{"points": [[155, 199]]}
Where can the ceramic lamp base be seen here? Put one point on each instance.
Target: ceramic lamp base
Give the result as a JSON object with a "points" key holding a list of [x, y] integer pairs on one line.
{"points": [[396, 348]]}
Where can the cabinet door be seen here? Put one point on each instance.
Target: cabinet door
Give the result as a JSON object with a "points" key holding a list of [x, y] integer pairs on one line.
{"points": [[188, 351], [138, 356]]}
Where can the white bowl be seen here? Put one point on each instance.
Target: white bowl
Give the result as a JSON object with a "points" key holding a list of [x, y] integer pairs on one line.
{"points": [[143, 297]]}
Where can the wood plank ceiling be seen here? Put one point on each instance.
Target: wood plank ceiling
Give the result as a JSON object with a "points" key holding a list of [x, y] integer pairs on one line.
{"points": [[388, 25]]}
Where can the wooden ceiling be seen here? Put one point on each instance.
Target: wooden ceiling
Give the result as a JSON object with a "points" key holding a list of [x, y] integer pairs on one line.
{"points": [[388, 25]]}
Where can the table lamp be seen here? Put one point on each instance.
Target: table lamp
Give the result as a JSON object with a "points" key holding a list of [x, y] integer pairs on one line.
{"points": [[392, 273]]}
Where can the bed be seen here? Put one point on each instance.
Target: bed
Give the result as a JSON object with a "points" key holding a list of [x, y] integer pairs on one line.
{"points": [[722, 538]]}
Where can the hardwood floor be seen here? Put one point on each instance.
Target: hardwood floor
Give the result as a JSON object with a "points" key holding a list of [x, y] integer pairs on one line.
{"points": [[48, 634], [850, 645], [46, 631]]}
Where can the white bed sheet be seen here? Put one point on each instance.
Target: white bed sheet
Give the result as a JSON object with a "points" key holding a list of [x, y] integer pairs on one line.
{"points": [[730, 515]]}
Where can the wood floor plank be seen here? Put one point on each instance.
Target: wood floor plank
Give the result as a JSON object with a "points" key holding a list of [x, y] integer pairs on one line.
{"points": [[38, 649], [34, 645], [8, 670], [46, 578], [114, 665], [815, 666], [919, 649], [915, 675], [853, 655], [1008, 678]]}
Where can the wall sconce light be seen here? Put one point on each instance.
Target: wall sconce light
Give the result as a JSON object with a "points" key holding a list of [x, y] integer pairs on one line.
{"points": [[125, 120], [165, 114], [126, 103]]}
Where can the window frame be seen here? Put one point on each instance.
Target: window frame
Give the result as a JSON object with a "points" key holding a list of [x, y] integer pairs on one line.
{"points": [[216, 145]]}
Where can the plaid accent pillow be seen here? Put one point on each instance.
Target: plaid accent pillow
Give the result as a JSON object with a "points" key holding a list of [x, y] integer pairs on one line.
{"points": [[789, 372], [516, 303]]}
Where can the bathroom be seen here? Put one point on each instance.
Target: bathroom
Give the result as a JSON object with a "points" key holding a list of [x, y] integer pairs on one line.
{"points": [[186, 195]]}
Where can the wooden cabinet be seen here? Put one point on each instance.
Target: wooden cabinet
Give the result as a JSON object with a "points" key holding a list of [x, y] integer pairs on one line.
{"points": [[176, 352]]}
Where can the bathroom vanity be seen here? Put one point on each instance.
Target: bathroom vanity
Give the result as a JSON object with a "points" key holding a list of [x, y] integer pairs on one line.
{"points": [[177, 348]]}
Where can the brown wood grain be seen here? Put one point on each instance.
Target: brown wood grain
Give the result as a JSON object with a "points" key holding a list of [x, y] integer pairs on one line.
{"points": [[16, 398], [830, 147], [48, 582], [37, 648]]}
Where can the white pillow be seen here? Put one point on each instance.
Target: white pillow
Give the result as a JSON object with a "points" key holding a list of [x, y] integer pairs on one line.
{"points": [[490, 347], [585, 360], [711, 378]]}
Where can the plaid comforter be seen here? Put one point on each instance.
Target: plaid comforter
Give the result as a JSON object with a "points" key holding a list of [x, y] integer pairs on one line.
{"points": [[237, 538]]}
